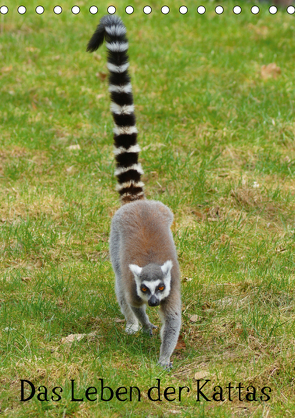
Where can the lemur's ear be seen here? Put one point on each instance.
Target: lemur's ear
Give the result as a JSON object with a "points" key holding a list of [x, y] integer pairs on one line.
{"points": [[166, 267], [136, 270]]}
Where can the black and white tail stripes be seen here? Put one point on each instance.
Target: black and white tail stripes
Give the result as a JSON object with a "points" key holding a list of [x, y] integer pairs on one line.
{"points": [[128, 170]]}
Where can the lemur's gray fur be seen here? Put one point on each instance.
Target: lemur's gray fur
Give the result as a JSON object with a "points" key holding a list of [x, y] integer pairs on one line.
{"points": [[142, 249]]}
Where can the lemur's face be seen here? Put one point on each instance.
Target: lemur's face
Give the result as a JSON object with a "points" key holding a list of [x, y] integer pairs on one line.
{"points": [[152, 281]]}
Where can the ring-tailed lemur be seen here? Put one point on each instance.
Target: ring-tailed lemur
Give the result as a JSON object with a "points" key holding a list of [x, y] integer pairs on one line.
{"points": [[140, 230]]}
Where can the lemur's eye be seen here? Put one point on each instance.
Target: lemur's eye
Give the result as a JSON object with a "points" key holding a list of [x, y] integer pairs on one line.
{"points": [[161, 288], [143, 288]]}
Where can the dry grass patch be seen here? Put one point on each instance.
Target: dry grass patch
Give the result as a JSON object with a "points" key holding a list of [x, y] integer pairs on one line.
{"points": [[16, 210]]}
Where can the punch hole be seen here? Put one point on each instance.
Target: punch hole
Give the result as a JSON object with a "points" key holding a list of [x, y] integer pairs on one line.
{"points": [[291, 10], [93, 10], [39, 10], [255, 10], [3, 10], [111, 10], [75, 10], [165, 10], [147, 10], [22, 10], [129, 10], [201, 10], [57, 10], [183, 10], [237, 10], [272, 10], [219, 10]]}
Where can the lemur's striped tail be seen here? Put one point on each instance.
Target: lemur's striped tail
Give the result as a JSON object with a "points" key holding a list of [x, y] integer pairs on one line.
{"points": [[128, 171]]}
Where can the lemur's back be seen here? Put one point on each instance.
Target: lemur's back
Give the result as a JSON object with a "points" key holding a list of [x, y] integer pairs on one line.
{"points": [[144, 230]]}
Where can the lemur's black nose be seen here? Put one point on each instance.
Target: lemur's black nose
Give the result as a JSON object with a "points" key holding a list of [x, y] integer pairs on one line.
{"points": [[153, 301]]}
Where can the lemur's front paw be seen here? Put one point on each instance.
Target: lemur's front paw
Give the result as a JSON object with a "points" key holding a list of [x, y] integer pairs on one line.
{"points": [[131, 328], [149, 329], [166, 364]]}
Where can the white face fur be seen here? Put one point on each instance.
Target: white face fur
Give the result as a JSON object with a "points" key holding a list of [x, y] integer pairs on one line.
{"points": [[157, 287]]}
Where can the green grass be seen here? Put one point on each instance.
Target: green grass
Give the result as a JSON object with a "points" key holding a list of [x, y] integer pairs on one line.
{"points": [[218, 149]]}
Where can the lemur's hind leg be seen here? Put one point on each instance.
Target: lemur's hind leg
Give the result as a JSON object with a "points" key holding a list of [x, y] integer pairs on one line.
{"points": [[144, 319], [132, 325]]}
